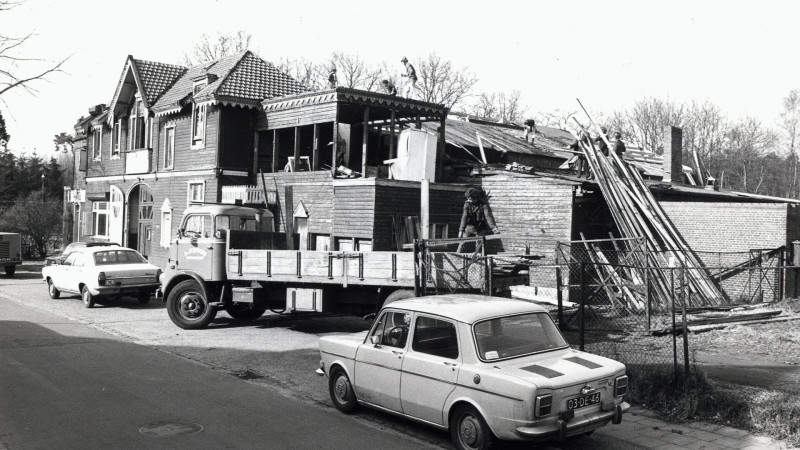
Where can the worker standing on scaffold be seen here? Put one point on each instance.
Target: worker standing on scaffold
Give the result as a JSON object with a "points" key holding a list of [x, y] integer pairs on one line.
{"points": [[477, 218]]}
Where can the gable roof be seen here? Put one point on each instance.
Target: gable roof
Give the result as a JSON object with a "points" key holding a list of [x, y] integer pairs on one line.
{"points": [[241, 79], [149, 78]]}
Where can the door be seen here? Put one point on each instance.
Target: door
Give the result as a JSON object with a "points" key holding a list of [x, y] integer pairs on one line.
{"points": [[378, 361], [145, 238], [195, 246], [430, 369], [116, 213]]}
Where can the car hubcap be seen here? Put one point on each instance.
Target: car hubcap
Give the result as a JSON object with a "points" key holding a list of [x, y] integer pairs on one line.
{"points": [[342, 389], [468, 431], [192, 305]]}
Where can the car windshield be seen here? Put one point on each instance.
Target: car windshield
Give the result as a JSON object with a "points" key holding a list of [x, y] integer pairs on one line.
{"points": [[117, 257], [508, 337]]}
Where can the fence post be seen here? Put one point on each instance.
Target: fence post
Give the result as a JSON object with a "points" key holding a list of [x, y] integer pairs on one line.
{"points": [[583, 302], [674, 334], [684, 295], [648, 296], [560, 298], [417, 269]]}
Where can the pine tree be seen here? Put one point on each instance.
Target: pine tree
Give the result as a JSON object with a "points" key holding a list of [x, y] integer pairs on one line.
{"points": [[4, 136]]}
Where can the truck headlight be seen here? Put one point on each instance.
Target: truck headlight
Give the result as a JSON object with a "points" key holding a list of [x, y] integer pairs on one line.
{"points": [[621, 386], [544, 404]]}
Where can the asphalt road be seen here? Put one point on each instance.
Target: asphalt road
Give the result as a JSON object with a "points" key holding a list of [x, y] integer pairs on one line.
{"points": [[72, 377]]}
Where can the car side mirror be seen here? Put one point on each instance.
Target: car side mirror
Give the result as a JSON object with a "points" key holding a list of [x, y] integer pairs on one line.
{"points": [[375, 340]]}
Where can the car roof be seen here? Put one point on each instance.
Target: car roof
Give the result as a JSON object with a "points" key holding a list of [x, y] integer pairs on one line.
{"points": [[101, 248], [467, 308]]}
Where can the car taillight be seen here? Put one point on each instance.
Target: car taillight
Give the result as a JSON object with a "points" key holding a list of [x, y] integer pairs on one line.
{"points": [[621, 386], [101, 279], [544, 404]]}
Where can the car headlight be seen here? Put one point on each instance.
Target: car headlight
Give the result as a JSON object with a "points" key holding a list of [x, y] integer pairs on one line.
{"points": [[544, 404], [621, 386]]}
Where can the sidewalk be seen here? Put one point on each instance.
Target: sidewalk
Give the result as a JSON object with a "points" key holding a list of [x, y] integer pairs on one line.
{"points": [[641, 427]]}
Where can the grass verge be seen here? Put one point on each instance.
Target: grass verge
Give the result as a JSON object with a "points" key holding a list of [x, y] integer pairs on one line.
{"points": [[688, 397]]}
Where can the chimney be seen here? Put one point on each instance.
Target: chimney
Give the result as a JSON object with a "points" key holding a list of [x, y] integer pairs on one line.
{"points": [[673, 155], [97, 109]]}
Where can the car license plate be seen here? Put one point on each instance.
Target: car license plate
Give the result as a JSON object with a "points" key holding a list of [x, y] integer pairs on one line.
{"points": [[583, 401]]}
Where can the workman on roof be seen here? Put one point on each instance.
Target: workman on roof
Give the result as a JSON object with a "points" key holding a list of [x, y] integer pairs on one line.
{"points": [[581, 165], [389, 87], [412, 77], [530, 131], [477, 218], [332, 80], [600, 142], [619, 146]]}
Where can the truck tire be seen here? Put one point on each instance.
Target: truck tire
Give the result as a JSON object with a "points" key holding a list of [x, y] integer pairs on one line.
{"points": [[245, 312], [10, 270], [52, 289], [188, 307]]}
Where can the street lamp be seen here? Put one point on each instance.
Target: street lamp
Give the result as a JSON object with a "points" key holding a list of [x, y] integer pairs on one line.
{"points": [[43, 177]]}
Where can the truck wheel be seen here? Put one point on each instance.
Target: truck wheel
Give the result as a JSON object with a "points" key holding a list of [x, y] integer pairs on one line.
{"points": [[144, 298], [52, 289], [341, 390], [10, 270], [245, 312], [469, 430], [188, 307], [87, 297]]}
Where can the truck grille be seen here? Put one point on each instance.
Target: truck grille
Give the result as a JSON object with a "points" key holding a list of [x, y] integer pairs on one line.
{"points": [[5, 250]]}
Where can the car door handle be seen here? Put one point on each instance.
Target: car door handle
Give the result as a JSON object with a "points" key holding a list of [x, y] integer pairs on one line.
{"points": [[398, 353], [451, 365]]}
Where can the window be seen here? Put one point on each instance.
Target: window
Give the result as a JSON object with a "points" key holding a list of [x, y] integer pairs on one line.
{"points": [[240, 223], [198, 125], [509, 337], [166, 223], [438, 231], [117, 257], [392, 329], [435, 337], [197, 192], [100, 218], [198, 226], [136, 130], [117, 139], [97, 144], [169, 147]]}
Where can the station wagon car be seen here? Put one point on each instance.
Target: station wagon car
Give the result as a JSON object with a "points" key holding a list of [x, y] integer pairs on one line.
{"points": [[107, 271], [486, 368]]}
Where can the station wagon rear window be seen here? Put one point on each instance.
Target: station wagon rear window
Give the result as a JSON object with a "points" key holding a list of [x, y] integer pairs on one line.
{"points": [[509, 337], [117, 257]]}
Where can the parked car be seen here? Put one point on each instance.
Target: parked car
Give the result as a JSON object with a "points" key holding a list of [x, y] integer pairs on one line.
{"points": [[58, 259], [486, 368], [102, 271], [10, 252]]}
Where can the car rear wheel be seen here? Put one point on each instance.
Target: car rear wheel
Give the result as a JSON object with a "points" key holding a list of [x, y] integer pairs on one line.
{"points": [[188, 306], [144, 298], [469, 430], [245, 312], [10, 270], [52, 289], [341, 390], [87, 297]]}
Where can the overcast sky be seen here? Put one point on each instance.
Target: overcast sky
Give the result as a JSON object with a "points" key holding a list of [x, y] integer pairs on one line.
{"points": [[739, 55]]}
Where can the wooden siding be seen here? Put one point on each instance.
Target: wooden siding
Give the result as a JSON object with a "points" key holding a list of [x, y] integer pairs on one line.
{"points": [[314, 189], [236, 145], [355, 211], [187, 158], [304, 115]]}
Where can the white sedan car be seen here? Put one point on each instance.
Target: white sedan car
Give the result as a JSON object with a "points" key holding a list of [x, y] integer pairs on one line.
{"points": [[486, 368], [104, 270]]}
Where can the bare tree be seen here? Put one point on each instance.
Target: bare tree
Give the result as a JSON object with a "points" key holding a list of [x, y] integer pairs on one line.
{"points": [[485, 106], [749, 144], [353, 72], [441, 82], [649, 117], [211, 48], [502, 107], [308, 73], [34, 218], [16, 70], [789, 123]]}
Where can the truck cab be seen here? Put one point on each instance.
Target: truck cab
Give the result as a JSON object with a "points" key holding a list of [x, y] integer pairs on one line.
{"points": [[10, 252]]}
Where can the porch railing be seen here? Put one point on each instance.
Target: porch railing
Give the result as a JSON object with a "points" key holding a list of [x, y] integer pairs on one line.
{"points": [[247, 195]]}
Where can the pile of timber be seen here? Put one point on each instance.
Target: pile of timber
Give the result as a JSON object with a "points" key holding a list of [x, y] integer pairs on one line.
{"points": [[638, 214]]}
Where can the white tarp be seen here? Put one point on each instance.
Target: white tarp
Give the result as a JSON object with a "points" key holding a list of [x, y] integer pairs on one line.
{"points": [[416, 156]]}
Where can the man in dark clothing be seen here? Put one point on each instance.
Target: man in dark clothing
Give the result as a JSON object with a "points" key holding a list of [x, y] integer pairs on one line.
{"points": [[619, 146], [412, 77], [332, 81], [600, 142], [477, 218], [389, 87]]}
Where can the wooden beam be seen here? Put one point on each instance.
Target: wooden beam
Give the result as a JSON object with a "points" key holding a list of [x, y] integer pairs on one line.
{"points": [[440, 149], [255, 152], [315, 151], [392, 147], [424, 208], [296, 149], [364, 141], [335, 148], [275, 146]]}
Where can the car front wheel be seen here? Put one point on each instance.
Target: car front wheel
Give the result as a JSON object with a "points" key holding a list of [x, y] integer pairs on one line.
{"points": [[10, 270], [188, 306], [341, 390], [469, 430], [88, 298], [52, 289]]}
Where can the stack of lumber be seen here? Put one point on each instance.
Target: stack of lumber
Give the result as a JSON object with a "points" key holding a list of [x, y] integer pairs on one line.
{"points": [[638, 214]]}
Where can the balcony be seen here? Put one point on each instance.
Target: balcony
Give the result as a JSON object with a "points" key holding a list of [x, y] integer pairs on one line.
{"points": [[138, 161], [252, 195]]}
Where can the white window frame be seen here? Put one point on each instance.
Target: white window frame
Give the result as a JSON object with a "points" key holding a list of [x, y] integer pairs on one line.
{"points": [[116, 139], [97, 144], [169, 147], [189, 197], [166, 223], [96, 213], [198, 132]]}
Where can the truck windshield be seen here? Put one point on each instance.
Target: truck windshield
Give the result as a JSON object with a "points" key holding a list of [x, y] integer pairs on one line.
{"points": [[244, 223], [198, 225], [509, 337]]}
